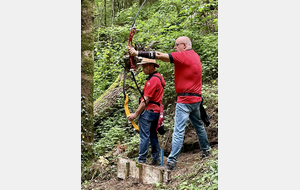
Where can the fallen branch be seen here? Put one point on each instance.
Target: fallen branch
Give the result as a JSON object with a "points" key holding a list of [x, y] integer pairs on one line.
{"points": [[96, 15]]}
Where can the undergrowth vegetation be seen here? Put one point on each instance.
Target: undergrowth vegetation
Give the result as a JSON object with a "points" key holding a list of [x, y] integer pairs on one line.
{"points": [[202, 176], [158, 25]]}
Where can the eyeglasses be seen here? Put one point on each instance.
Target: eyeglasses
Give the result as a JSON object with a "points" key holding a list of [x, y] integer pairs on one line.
{"points": [[178, 44]]}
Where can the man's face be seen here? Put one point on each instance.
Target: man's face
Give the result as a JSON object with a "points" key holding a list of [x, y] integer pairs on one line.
{"points": [[179, 45], [146, 68]]}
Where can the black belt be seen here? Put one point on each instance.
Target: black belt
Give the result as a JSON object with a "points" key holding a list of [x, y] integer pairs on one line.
{"points": [[189, 94], [151, 102]]}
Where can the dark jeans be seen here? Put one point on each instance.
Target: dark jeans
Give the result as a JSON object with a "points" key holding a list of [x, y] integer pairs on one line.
{"points": [[147, 125]]}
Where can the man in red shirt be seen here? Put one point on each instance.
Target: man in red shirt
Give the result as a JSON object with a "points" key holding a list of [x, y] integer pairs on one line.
{"points": [[188, 84], [148, 118]]}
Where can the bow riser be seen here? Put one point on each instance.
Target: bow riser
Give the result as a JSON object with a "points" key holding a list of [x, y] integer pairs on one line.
{"points": [[131, 34]]}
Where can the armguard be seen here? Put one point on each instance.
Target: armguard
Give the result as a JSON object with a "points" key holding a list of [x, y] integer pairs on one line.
{"points": [[147, 54]]}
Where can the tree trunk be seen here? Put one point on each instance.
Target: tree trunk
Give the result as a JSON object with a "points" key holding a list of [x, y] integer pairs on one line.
{"points": [[87, 74], [105, 13], [112, 12], [104, 104]]}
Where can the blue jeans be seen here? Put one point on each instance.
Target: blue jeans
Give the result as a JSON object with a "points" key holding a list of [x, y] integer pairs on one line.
{"points": [[147, 125], [182, 113]]}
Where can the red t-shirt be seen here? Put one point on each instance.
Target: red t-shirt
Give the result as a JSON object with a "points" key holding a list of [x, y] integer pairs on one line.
{"points": [[188, 75], [154, 90]]}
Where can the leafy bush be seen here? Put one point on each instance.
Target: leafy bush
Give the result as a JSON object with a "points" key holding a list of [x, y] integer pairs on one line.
{"points": [[109, 140], [133, 146], [208, 52], [163, 21]]}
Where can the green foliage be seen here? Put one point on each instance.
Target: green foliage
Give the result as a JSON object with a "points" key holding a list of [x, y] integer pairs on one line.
{"points": [[204, 176], [109, 140], [111, 130], [208, 51], [108, 58], [133, 146], [169, 117], [115, 129], [210, 94], [86, 171], [162, 21]]}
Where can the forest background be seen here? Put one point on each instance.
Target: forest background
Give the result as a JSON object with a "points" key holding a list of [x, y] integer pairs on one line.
{"points": [[158, 24]]}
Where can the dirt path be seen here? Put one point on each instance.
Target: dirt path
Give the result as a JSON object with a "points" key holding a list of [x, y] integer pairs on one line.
{"points": [[185, 165]]}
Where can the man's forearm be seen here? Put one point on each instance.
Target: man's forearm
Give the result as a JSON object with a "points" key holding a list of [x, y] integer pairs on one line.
{"points": [[162, 56], [150, 54], [141, 107]]}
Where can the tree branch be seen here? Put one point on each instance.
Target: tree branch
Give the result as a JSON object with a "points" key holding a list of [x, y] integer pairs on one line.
{"points": [[97, 15]]}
